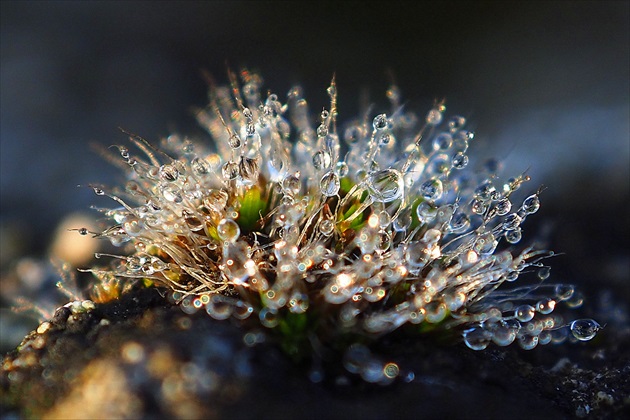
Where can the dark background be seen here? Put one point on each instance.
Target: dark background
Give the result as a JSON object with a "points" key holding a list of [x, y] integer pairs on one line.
{"points": [[544, 84]]}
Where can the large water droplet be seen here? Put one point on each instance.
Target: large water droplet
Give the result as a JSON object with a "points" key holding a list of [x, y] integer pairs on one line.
{"points": [[476, 338], [234, 141], [199, 166], [442, 141], [524, 313], [432, 189], [460, 160], [380, 122], [329, 184], [230, 170], [228, 230], [386, 185], [584, 329], [322, 160], [531, 204]]}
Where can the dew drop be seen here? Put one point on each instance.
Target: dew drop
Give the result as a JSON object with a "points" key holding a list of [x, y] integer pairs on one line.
{"points": [[504, 335], [512, 222], [513, 236], [584, 329], [291, 185], [235, 141], [432, 189], [98, 191], [426, 212], [524, 313], [168, 173], [329, 184], [459, 223], [326, 227], [172, 194], [342, 169], [442, 141], [199, 166], [485, 244], [456, 122], [386, 185], [322, 160], [478, 207], [564, 291], [230, 170], [543, 273], [545, 306], [459, 161], [531, 204], [434, 117], [83, 231], [219, 307], [380, 122], [268, 317], [228, 230], [384, 139], [476, 338], [527, 342], [503, 207]]}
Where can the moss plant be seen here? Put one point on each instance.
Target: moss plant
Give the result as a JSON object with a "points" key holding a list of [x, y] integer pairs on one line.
{"points": [[334, 235]]}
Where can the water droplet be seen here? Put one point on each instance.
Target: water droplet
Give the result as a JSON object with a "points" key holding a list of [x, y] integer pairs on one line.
{"points": [[380, 122], [434, 117], [442, 141], [230, 170], [322, 160], [426, 212], [460, 160], [459, 223], [546, 306], [386, 185], [98, 191], [504, 334], [234, 141], [326, 227], [456, 122], [432, 189], [268, 317], [329, 184], [512, 222], [219, 307], [476, 338], [435, 312], [199, 166], [322, 131], [544, 273], [485, 244], [503, 207], [384, 139], [172, 194], [168, 173], [564, 291], [584, 329], [248, 168], [342, 169], [291, 185], [527, 342], [531, 204], [478, 207], [524, 313], [228, 230], [353, 134], [83, 231]]}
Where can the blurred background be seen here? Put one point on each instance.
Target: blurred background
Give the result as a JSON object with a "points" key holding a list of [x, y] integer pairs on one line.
{"points": [[545, 85]]}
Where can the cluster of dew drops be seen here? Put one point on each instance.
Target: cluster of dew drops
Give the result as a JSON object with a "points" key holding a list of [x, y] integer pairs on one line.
{"points": [[381, 226]]}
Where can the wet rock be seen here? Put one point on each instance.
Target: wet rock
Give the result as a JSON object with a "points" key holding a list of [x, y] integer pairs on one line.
{"points": [[141, 357]]}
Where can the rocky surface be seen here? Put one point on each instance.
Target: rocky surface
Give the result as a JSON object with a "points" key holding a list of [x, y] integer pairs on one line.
{"points": [[141, 357]]}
